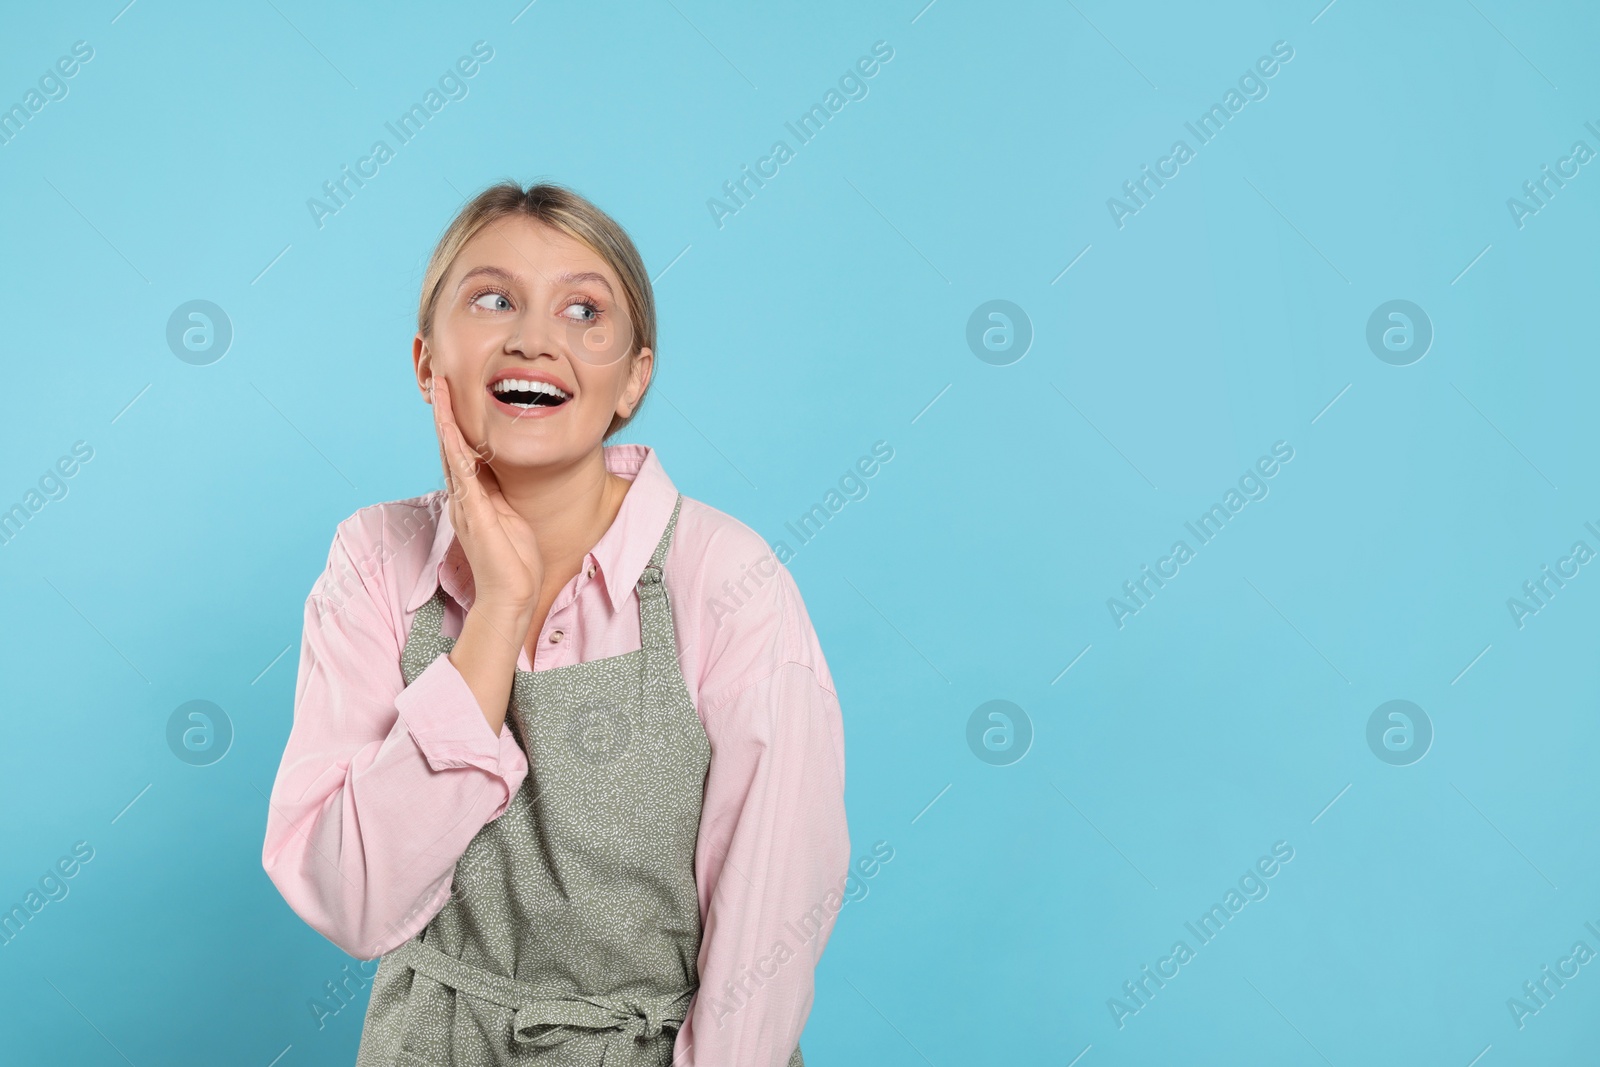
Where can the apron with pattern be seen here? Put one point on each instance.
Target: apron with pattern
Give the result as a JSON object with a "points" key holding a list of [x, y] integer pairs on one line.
{"points": [[571, 935]]}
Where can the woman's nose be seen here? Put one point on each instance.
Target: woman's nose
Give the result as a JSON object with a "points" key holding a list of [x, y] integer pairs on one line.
{"points": [[530, 336]]}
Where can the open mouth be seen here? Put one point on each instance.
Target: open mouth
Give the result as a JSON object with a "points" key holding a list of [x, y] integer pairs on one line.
{"points": [[523, 393]]}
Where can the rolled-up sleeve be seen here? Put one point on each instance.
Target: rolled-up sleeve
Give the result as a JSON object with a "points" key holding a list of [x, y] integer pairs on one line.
{"points": [[382, 785], [775, 837]]}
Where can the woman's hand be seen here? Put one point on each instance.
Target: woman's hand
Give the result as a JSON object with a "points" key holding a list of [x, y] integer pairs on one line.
{"points": [[507, 569]]}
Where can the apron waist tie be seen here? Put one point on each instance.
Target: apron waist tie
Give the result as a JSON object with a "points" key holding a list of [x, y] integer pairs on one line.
{"points": [[562, 1015]]}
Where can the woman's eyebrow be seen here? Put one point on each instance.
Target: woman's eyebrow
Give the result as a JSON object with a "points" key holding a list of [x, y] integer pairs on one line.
{"points": [[493, 272], [585, 276], [511, 279]]}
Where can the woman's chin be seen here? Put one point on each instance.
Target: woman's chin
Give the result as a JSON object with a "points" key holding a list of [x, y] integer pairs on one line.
{"points": [[529, 453]]}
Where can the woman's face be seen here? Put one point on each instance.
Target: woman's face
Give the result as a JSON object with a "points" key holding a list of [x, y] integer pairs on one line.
{"points": [[527, 303]]}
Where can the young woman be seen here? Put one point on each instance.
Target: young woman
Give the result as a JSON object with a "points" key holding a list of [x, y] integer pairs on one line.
{"points": [[566, 753]]}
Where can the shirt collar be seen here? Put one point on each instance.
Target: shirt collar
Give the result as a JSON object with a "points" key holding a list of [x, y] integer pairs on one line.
{"points": [[621, 553]]}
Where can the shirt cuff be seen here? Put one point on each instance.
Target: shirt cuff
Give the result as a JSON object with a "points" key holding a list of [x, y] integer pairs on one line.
{"points": [[444, 719]]}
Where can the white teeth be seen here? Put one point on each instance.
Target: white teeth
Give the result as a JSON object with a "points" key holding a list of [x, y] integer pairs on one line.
{"points": [[523, 385]]}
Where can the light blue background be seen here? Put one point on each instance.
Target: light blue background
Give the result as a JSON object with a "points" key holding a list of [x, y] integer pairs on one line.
{"points": [[824, 316]]}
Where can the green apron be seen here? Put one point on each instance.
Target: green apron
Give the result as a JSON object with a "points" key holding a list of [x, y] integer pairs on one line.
{"points": [[572, 932]]}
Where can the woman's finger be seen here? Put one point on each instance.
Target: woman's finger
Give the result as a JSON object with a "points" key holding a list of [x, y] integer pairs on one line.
{"points": [[488, 480], [471, 510], [452, 494], [458, 475], [444, 460], [461, 468], [459, 457], [441, 421]]}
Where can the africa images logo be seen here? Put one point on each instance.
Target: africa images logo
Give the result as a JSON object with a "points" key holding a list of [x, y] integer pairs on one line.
{"points": [[599, 733], [1206, 128]]}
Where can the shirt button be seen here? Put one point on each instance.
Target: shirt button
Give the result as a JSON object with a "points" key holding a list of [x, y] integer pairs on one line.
{"points": [[556, 636], [590, 571]]}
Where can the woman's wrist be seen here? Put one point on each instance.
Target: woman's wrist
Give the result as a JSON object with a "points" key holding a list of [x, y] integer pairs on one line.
{"points": [[503, 612], [498, 628], [486, 654]]}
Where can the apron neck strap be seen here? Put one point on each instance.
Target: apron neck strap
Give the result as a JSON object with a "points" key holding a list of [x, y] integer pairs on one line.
{"points": [[658, 558], [655, 613]]}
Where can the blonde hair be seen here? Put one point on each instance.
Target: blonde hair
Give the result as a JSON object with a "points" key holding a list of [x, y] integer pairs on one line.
{"points": [[568, 213]]}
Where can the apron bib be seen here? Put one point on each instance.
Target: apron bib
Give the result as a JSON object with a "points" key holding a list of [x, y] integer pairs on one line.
{"points": [[572, 932]]}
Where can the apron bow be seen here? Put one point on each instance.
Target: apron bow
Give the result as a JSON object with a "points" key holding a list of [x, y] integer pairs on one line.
{"points": [[542, 1020], [545, 1022]]}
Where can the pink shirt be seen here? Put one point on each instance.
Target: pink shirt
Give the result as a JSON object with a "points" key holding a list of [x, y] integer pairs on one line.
{"points": [[383, 785]]}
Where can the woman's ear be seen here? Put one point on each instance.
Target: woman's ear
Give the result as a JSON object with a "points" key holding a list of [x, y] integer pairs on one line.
{"points": [[638, 380], [422, 361]]}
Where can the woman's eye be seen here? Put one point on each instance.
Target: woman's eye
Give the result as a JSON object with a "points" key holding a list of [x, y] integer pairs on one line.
{"points": [[586, 312], [495, 302]]}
